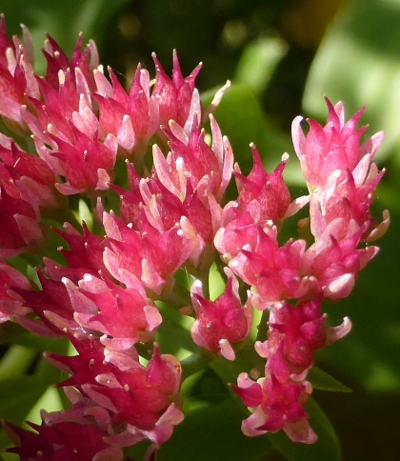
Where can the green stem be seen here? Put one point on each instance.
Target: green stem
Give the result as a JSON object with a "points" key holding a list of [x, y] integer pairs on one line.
{"points": [[196, 362], [204, 278], [178, 297], [262, 334]]}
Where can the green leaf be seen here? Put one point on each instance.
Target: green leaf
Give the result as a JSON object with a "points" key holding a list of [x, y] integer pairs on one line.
{"points": [[40, 343], [241, 118], [15, 361], [327, 447], [19, 395], [216, 282], [323, 381], [258, 62], [358, 62], [23, 266], [85, 215], [173, 334], [9, 457], [50, 401]]}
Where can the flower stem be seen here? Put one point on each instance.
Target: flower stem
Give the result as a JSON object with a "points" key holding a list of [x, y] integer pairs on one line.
{"points": [[194, 363], [262, 334]]}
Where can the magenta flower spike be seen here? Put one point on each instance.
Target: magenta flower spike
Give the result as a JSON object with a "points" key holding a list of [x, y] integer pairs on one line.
{"points": [[118, 292]]}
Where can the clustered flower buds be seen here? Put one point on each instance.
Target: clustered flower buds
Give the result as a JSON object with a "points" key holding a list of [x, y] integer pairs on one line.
{"points": [[173, 216]]}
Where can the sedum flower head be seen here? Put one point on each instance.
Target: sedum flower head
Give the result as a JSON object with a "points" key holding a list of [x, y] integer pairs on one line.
{"points": [[108, 296]]}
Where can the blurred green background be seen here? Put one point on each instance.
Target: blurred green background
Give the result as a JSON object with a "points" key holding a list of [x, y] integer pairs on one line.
{"points": [[282, 58]]}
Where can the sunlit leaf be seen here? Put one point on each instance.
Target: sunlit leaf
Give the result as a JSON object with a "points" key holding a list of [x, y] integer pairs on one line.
{"points": [[50, 401], [216, 282], [15, 361], [85, 215], [258, 62]]}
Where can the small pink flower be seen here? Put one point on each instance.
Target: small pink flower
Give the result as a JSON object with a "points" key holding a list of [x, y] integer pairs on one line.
{"points": [[275, 406], [340, 173], [239, 230], [334, 147], [86, 164], [206, 168], [85, 255], [83, 62], [221, 324], [295, 332], [336, 263], [132, 118], [125, 316], [141, 400], [52, 308], [269, 191], [140, 396], [173, 96], [197, 215], [26, 176], [150, 255], [275, 272], [90, 362], [351, 202], [191, 160]]}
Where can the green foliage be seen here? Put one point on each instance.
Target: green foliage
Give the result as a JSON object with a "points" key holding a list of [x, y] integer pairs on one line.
{"points": [[267, 53], [23, 392]]}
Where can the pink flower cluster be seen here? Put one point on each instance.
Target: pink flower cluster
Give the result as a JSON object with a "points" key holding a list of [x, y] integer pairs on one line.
{"points": [[172, 216], [292, 280]]}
